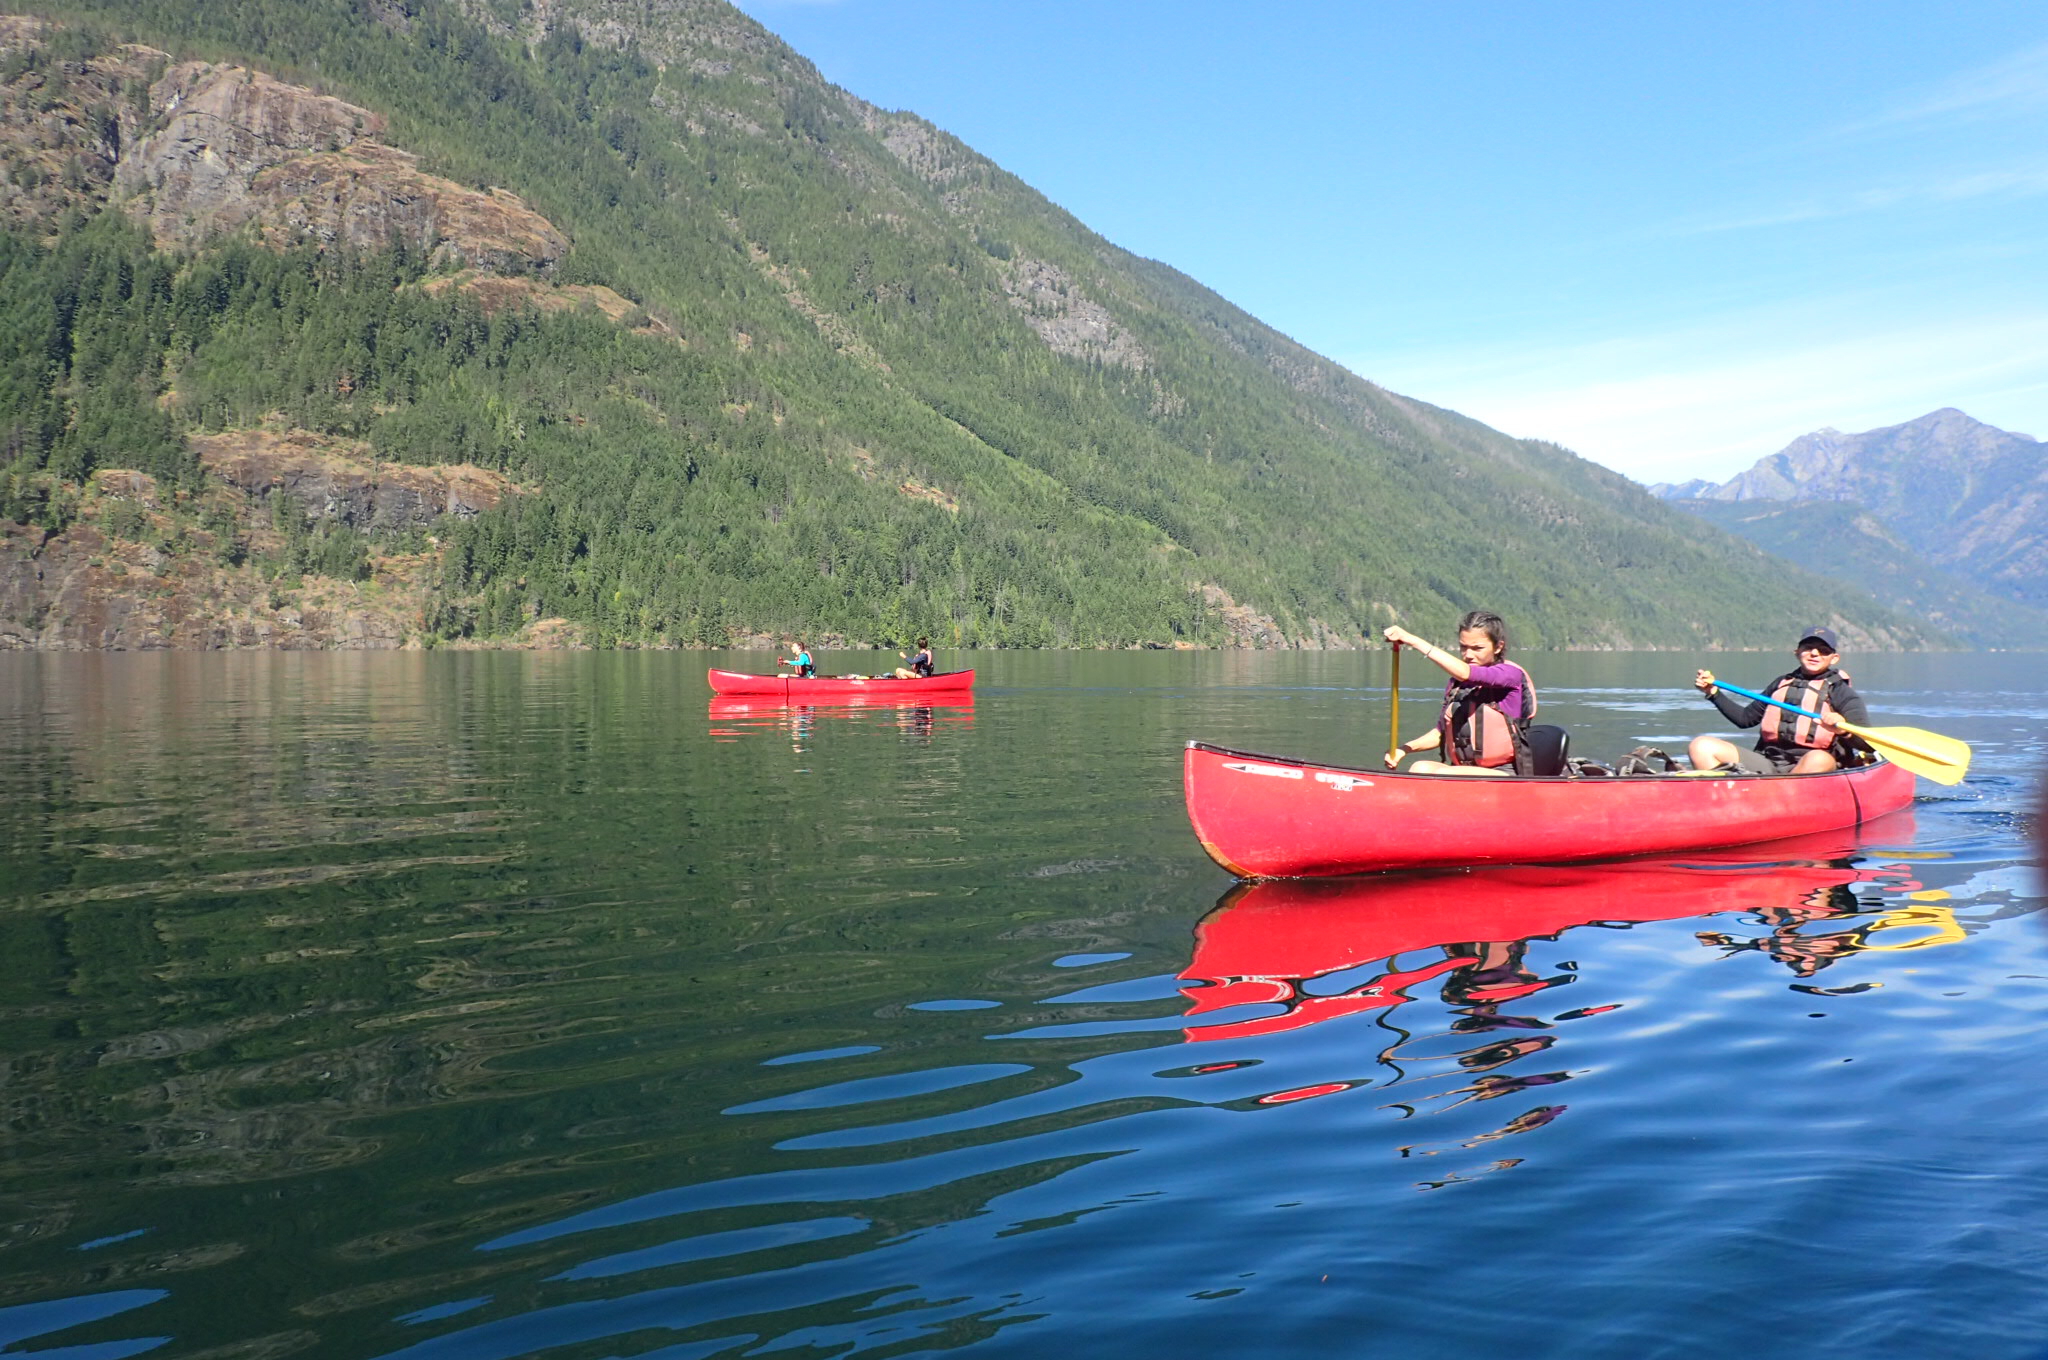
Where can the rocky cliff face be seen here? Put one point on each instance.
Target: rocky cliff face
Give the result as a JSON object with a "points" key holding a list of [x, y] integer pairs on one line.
{"points": [[333, 480], [87, 589], [138, 570], [495, 293], [229, 147], [64, 122], [195, 149]]}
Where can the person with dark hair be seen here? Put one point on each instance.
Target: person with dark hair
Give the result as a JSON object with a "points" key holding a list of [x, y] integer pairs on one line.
{"points": [[1488, 702], [800, 658], [920, 665], [1803, 743]]}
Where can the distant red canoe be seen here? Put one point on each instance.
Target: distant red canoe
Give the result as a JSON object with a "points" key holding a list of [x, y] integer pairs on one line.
{"points": [[958, 704], [825, 689], [1273, 817]]}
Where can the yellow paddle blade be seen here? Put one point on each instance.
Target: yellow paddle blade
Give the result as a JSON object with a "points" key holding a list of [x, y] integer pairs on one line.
{"points": [[1930, 755]]}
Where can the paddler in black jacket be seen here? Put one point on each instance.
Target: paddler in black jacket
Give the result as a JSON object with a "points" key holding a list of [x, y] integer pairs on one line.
{"points": [[1790, 743]]}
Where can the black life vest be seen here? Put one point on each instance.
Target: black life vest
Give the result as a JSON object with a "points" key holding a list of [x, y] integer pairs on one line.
{"points": [[1473, 730], [922, 663], [1814, 727]]}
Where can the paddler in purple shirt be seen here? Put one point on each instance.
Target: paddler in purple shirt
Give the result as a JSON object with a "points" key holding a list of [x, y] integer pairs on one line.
{"points": [[1488, 702]]}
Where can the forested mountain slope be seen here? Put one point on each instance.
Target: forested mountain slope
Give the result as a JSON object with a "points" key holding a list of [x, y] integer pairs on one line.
{"points": [[1843, 539], [746, 354]]}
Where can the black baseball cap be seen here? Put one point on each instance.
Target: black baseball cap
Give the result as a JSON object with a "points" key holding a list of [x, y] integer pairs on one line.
{"points": [[1826, 635]]}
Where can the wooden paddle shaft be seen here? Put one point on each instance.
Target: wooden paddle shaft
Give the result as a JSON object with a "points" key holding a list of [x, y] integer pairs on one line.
{"points": [[1394, 709]]}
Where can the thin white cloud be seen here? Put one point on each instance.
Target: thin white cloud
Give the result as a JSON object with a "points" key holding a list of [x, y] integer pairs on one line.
{"points": [[2014, 85], [2022, 182], [1708, 403], [2012, 88]]}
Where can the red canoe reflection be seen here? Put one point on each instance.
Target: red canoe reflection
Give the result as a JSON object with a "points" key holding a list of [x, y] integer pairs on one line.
{"points": [[1267, 941], [917, 718]]}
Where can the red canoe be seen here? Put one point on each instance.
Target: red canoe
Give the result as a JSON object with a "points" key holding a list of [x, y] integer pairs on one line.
{"points": [[825, 689], [1274, 817]]}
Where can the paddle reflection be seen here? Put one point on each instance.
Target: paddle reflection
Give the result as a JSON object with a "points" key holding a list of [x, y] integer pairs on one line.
{"points": [[1806, 951]]}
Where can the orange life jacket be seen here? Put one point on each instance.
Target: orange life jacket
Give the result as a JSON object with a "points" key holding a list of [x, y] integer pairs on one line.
{"points": [[1473, 730], [1813, 727]]}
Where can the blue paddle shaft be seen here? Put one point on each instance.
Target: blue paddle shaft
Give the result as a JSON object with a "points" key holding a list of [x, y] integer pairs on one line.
{"points": [[1761, 698]]}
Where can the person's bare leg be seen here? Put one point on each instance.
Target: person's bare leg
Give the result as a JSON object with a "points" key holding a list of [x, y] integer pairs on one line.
{"points": [[1713, 753]]}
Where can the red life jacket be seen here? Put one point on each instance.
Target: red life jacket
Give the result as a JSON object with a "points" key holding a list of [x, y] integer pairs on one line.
{"points": [[1813, 728], [1473, 731]]}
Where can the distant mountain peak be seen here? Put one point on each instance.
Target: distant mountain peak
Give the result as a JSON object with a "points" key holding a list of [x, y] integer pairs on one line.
{"points": [[1967, 495], [1827, 464]]}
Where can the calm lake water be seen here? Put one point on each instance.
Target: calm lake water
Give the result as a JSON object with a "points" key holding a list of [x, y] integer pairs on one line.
{"points": [[494, 1005]]}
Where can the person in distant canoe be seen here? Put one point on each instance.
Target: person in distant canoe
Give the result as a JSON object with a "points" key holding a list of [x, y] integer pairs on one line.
{"points": [[920, 665], [1488, 702], [800, 658], [1808, 743]]}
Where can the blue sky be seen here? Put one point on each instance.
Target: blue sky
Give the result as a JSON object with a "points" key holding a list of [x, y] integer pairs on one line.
{"points": [[1670, 238]]}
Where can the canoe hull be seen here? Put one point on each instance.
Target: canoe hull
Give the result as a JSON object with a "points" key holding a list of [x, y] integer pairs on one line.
{"points": [[1273, 817], [825, 689]]}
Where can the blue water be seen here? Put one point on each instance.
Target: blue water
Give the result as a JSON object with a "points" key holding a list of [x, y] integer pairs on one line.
{"points": [[515, 1005]]}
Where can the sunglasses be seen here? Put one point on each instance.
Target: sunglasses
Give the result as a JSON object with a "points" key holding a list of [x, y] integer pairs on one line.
{"points": [[1817, 648]]}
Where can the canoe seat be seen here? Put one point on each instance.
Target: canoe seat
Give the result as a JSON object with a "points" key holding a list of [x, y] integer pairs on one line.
{"points": [[1547, 747]]}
